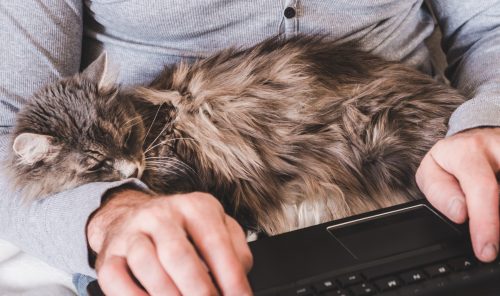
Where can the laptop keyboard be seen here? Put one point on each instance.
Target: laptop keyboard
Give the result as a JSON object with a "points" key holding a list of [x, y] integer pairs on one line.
{"points": [[387, 282]]}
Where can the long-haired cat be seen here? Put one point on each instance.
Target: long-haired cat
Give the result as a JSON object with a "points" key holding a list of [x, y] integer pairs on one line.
{"points": [[286, 134]]}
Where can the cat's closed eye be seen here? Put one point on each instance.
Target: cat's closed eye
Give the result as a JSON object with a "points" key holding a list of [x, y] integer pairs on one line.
{"points": [[97, 162], [107, 163]]}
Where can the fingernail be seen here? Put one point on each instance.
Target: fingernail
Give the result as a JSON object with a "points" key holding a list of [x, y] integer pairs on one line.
{"points": [[489, 252], [456, 209]]}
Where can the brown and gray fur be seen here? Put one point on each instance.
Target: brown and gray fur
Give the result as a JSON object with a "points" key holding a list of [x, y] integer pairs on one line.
{"points": [[286, 134]]}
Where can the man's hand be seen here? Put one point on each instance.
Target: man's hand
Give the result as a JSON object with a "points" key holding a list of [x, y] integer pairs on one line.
{"points": [[169, 244], [458, 176]]}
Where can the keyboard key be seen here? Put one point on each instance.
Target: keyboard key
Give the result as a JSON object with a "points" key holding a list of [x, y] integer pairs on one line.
{"points": [[461, 277], [349, 280], [390, 293], [487, 269], [336, 293], [298, 291], [437, 270], [436, 284], [413, 276], [388, 283], [459, 264], [325, 285], [412, 290], [400, 266], [364, 289]]}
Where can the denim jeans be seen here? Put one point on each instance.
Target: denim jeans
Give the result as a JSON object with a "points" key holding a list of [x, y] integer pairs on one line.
{"points": [[81, 282]]}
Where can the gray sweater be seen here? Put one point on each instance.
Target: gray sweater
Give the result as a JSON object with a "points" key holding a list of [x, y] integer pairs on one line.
{"points": [[41, 40]]}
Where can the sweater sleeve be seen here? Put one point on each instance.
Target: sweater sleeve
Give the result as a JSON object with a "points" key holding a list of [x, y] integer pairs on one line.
{"points": [[41, 40], [471, 41]]}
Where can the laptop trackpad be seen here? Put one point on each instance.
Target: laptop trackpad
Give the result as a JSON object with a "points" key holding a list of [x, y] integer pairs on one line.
{"points": [[394, 233]]}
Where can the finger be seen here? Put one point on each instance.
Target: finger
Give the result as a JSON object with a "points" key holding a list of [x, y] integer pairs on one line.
{"points": [[441, 189], [212, 240], [240, 244], [143, 262], [181, 262], [478, 181], [114, 278]]}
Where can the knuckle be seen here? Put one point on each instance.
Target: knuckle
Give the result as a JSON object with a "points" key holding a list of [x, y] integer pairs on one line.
{"points": [[237, 284], [142, 215], [137, 253], [106, 272], [420, 176], [214, 203], [200, 203], [475, 142], [486, 222], [438, 145], [205, 197], [235, 226], [214, 239], [153, 224], [247, 259], [206, 289], [489, 189], [153, 219], [177, 248], [432, 190], [163, 204], [161, 288]]}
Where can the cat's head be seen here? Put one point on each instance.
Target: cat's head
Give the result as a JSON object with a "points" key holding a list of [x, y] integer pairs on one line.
{"points": [[75, 131]]}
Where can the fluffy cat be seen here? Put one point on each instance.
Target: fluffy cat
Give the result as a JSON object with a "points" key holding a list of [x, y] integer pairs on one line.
{"points": [[286, 134]]}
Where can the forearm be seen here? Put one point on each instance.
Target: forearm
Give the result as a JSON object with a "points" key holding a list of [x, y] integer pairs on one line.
{"points": [[471, 40], [52, 229], [41, 42]]}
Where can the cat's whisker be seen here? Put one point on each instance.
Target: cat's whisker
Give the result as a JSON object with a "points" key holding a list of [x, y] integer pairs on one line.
{"points": [[171, 162], [174, 162], [154, 146], [169, 140], [132, 124], [138, 118], [157, 137], [152, 123], [168, 170], [171, 168]]}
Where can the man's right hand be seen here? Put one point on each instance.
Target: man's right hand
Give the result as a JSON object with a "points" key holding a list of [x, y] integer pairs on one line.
{"points": [[169, 244]]}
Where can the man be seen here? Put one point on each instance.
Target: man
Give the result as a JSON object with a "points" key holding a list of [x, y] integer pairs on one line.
{"points": [[161, 240]]}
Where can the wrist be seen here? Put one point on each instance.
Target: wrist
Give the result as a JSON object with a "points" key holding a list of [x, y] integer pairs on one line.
{"points": [[116, 205]]}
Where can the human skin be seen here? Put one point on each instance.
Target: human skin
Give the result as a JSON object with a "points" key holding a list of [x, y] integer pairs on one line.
{"points": [[169, 243], [458, 177]]}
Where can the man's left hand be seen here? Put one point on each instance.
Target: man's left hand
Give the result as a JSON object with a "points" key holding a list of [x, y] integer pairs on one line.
{"points": [[458, 177]]}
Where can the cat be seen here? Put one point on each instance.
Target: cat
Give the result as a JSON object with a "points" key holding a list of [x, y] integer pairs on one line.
{"points": [[286, 134]]}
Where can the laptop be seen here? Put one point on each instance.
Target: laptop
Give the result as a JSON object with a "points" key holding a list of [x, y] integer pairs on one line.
{"points": [[408, 249]]}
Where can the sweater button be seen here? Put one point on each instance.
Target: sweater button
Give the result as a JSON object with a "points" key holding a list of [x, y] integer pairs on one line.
{"points": [[289, 12]]}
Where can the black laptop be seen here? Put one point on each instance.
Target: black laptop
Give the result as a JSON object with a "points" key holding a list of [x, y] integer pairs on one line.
{"points": [[404, 250]]}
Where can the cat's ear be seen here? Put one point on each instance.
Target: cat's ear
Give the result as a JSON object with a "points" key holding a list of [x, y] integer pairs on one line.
{"points": [[30, 148], [158, 97], [98, 71]]}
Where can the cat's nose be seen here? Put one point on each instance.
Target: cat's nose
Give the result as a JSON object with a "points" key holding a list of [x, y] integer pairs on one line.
{"points": [[127, 169]]}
